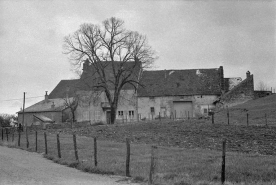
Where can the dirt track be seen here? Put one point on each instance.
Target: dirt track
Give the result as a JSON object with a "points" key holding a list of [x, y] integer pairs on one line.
{"points": [[19, 167]]}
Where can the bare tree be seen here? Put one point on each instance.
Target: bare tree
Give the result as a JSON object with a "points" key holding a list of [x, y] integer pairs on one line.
{"points": [[262, 86], [72, 104], [114, 53]]}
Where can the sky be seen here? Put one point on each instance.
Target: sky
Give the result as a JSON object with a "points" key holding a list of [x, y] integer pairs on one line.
{"points": [[238, 35]]}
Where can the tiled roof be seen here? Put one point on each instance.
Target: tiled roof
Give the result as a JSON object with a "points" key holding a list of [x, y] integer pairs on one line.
{"points": [[46, 106], [64, 87], [180, 82], [90, 78]]}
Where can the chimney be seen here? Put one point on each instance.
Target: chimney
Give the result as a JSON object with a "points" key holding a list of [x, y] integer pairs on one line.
{"points": [[46, 97], [67, 91], [247, 74], [85, 66], [53, 105], [221, 78]]}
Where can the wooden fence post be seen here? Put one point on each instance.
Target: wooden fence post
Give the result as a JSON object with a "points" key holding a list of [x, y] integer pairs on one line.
{"points": [[19, 136], [58, 146], [265, 120], [12, 135], [45, 139], [228, 121], [27, 137], [159, 117], [152, 164], [7, 133], [36, 141], [127, 157], [75, 147], [247, 121], [223, 162], [95, 152], [213, 121]]}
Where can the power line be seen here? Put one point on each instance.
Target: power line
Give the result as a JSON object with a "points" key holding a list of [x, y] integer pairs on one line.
{"points": [[22, 98]]}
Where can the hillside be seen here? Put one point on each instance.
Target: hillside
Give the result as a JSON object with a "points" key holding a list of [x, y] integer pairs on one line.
{"points": [[256, 110]]}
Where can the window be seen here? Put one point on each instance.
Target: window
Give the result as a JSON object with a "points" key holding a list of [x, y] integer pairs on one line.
{"points": [[205, 111], [152, 109], [181, 97], [97, 115], [131, 114], [120, 113]]}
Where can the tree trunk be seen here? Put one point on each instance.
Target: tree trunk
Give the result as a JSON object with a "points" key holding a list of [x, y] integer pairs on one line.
{"points": [[113, 114], [73, 119]]}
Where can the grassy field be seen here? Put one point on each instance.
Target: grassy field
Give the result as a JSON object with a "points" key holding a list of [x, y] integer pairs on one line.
{"points": [[256, 110], [176, 166]]}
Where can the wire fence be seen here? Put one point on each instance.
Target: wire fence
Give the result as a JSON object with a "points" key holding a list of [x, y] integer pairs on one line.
{"points": [[154, 164]]}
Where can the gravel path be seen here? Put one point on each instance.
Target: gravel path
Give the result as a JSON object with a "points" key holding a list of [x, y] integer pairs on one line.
{"points": [[19, 167]]}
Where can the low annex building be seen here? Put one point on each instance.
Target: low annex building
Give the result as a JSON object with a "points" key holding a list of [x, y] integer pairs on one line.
{"points": [[47, 110]]}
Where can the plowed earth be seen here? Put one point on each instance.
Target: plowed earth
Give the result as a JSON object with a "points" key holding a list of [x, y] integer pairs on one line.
{"points": [[184, 134]]}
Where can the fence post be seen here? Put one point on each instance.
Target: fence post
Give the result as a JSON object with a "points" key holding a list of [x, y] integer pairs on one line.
{"points": [[75, 147], [152, 164], [247, 121], [95, 151], [36, 141], [19, 136], [213, 121], [223, 162], [45, 139], [12, 135], [58, 146], [2, 134], [265, 120], [7, 133], [127, 157], [159, 117], [228, 121], [27, 137]]}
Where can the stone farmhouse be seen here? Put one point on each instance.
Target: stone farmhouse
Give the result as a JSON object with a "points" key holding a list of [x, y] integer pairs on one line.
{"points": [[166, 93]]}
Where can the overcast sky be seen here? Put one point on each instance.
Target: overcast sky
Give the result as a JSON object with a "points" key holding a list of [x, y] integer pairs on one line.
{"points": [[238, 35]]}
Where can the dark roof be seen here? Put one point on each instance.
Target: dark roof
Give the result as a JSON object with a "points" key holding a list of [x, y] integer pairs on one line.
{"points": [[90, 78], [64, 87], [180, 82], [46, 106]]}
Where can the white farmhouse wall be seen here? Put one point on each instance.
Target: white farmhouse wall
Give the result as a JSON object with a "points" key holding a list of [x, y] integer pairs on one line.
{"points": [[93, 107], [165, 105]]}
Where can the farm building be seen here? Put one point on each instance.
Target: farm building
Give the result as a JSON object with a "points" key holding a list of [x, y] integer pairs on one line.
{"points": [[164, 93], [47, 110]]}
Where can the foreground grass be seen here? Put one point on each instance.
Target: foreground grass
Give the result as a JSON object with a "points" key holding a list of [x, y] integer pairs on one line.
{"points": [[174, 166]]}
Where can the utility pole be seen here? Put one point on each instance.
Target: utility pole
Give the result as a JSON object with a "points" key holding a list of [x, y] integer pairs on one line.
{"points": [[23, 109], [27, 140]]}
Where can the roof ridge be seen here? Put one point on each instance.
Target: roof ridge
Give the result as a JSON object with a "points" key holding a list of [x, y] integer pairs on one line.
{"points": [[180, 69]]}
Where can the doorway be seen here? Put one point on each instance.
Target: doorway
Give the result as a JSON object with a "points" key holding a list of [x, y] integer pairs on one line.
{"points": [[108, 117]]}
